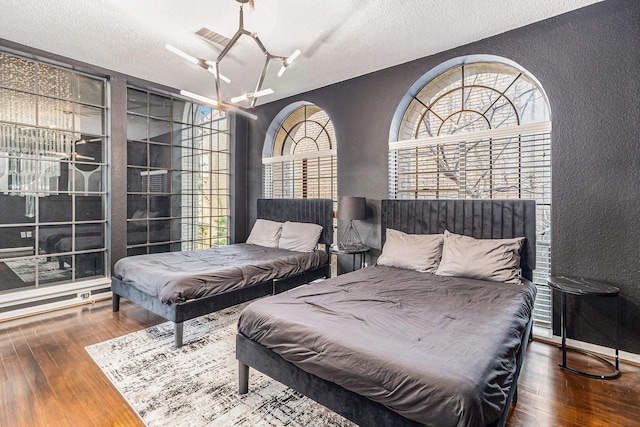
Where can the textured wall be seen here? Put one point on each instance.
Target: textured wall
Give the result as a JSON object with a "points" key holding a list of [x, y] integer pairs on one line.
{"points": [[588, 62]]}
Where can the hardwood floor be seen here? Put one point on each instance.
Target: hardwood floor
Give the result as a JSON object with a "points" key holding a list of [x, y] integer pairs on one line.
{"points": [[48, 379]]}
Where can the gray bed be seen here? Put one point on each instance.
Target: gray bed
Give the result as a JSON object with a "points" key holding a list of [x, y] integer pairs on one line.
{"points": [[179, 286], [390, 346]]}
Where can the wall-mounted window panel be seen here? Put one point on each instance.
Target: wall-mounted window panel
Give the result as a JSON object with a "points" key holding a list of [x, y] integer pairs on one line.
{"points": [[479, 130], [302, 160], [178, 174], [53, 193]]}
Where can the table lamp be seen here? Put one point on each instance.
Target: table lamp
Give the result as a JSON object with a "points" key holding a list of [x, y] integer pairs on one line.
{"points": [[351, 208]]}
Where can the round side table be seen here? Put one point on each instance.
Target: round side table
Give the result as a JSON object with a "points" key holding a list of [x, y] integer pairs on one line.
{"points": [[583, 287], [352, 251]]}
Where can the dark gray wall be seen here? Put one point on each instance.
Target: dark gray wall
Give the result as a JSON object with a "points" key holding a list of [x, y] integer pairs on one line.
{"points": [[588, 62]]}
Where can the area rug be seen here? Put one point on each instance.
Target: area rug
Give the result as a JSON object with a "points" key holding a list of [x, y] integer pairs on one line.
{"points": [[197, 385], [49, 271]]}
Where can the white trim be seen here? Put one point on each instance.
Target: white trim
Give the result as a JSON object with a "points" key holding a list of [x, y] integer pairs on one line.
{"points": [[45, 293], [44, 308], [502, 132], [606, 351], [300, 156]]}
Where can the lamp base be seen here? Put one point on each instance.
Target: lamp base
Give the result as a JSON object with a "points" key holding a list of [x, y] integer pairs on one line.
{"points": [[350, 238]]}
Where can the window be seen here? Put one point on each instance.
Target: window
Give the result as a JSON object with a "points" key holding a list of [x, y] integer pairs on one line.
{"points": [[53, 196], [478, 130], [301, 155], [177, 175]]}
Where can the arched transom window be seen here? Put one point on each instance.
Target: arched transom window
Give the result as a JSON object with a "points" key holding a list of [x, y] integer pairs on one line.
{"points": [[301, 161], [477, 130]]}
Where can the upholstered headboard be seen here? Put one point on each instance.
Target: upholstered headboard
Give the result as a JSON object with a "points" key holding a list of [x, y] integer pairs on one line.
{"points": [[482, 219], [316, 211]]}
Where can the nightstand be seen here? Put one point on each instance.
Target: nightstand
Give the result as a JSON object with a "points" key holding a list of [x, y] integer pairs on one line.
{"points": [[362, 252], [584, 287]]}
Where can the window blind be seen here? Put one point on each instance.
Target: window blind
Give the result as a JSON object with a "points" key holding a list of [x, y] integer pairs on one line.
{"points": [[504, 163], [305, 175]]}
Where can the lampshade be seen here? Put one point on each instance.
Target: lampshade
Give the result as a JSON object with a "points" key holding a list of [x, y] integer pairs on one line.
{"points": [[352, 208]]}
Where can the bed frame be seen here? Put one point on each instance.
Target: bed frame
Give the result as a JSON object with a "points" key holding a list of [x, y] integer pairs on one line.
{"points": [[317, 211], [476, 218]]}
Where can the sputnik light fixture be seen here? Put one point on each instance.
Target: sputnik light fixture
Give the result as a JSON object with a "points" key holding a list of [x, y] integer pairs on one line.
{"points": [[214, 68]]}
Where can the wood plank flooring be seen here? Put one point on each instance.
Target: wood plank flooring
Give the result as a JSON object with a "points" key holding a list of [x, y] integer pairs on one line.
{"points": [[48, 379]]}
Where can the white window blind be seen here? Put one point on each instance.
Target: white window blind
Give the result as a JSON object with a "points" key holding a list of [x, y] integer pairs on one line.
{"points": [[305, 175], [505, 163]]}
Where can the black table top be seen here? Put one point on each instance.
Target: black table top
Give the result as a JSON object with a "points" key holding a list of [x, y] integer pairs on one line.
{"points": [[338, 250], [580, 286]]}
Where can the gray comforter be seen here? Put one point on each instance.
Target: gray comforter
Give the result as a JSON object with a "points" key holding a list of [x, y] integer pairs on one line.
{"points": [[437, 350], [180, 276]]}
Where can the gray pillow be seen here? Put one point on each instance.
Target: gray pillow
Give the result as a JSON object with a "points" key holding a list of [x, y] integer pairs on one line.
{"points": [[497, 260], [299, 236], [265, 233], [419, 252]]}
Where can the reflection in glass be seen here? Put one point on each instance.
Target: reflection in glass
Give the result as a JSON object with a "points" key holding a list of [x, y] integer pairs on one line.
{"points": [[160, 131]]}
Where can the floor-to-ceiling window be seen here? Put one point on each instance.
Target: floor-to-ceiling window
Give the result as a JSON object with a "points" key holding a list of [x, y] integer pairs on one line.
{"points": [[478, 127], [178, 157], [53, 175]]}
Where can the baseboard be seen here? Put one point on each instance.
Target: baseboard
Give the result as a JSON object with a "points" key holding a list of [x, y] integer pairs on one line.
{"points": [[34, 301], [625, 356]]}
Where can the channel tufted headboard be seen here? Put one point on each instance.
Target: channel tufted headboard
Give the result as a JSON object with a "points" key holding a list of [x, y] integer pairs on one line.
{"points": [[482, 219], [316, 211]]}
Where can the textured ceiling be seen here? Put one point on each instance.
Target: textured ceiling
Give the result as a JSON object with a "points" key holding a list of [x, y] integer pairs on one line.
{"points": [[339, 39]]}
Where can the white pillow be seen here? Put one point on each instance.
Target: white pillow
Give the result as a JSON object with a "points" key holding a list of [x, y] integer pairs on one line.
{"points": [[299, 236], [497, 260], [419, 252], [265, 233]]}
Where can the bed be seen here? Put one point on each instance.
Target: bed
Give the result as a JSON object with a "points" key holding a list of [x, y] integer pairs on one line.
{"points": [[208, 280], [389, 345]]}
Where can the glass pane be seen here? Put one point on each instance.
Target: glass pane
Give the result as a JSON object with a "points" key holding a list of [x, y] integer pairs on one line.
{"points": [[159, 231], [49, 236], [13, 210], [156, 181], [136, 251], [55, 208], [136, 203], [160, 131], [56, 114], [134, 180], [17, 107], [88, 177], [137, 232], [159, 249], [182, 111], [136, 127], [22, 273], [89, 264], [160, 106], [89, 208], [137, 101], [136, 153], [160, 156], [181, 134], [54, 81], [159, 206], [17, 73], [89, 90], [16, 241], [88, 119]]}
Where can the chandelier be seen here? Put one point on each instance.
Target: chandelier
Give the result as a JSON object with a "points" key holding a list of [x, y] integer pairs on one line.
{"points": [[213, 66]]}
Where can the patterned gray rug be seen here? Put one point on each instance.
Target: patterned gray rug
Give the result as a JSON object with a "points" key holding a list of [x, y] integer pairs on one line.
{"points": [[197, 385]]}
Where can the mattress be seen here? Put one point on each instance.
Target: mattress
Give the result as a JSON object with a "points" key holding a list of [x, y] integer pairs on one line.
{"points": [[180, 276], [437, 350]]}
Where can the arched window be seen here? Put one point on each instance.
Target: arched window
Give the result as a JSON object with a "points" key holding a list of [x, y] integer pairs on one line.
{"points": [[477, 128], [299, 157]]}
